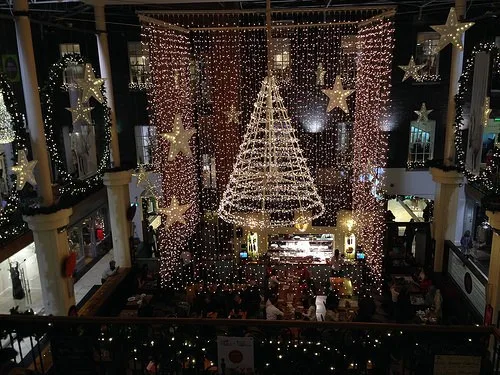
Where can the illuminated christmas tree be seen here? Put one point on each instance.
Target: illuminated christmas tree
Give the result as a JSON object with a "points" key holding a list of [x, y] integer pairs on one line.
{"points": [[270, 184]]}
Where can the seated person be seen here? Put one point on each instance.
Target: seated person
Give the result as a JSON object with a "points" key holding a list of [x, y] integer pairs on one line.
{"points": [[145, 309], [425, 283], [238, 310], [273, 282], [310, 310], [272, 312], [332, 315]]}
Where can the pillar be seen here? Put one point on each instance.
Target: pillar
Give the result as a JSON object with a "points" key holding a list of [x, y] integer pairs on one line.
{"points": [[105, 68], [52, 250], [457, 57], [493, 291], [32, 101], [119, 202], [445, 211]]}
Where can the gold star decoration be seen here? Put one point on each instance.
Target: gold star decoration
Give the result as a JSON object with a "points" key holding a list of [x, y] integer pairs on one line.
{"points": [[423, 113], [486, 111], [411, 70], [141, 175], [451, 32], [233, 116], [24, 170], [81, 112], [320, 75], [174, 213], [338, 96], [179, 139], [90, 85]]}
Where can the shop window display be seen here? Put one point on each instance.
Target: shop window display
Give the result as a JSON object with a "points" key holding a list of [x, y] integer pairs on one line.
{"points": [[88, 238]]}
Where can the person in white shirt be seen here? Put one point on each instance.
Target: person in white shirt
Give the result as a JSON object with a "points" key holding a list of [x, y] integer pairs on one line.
{"points": [[272, 312], [110, 271], [310, 314]]}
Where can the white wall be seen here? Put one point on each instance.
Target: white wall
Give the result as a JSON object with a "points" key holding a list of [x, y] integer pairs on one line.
{"points": [[399, 181]]}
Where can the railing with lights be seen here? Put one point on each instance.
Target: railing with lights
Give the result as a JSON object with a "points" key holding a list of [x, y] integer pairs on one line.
{"points": [[189, 346]]}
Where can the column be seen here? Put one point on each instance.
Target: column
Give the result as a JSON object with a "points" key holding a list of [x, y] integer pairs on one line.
{"points": [[445, 211], [457, 57], [32, 101], [493, 290], [105, 68], [118, 201], [52, 250]]}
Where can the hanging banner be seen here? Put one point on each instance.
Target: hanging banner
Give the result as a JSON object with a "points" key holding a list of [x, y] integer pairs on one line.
{"points": [[235, 355]]}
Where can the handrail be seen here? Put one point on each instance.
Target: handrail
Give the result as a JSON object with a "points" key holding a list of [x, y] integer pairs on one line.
{"points": [[247, 322]]}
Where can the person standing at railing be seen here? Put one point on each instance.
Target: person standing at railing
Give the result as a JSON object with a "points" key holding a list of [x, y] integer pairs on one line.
{"points": [[466, 242]]}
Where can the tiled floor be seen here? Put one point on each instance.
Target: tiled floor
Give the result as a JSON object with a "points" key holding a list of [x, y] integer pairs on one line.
{"points": [[81, 287]]}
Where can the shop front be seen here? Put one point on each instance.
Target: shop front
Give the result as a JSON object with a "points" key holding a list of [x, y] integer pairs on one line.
{"points": [[89, 234], [89, 238]]}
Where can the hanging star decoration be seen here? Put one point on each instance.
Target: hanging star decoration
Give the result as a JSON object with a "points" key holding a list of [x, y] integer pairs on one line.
{"points": [[423, 113], [486, 111], [451, 32], [141, 175], [179, 139], [320, 75], [24, 170], [143, 180], [233, 116], [81, 112], [338, 96], [411, 70], [90, 85], [174, 213]]}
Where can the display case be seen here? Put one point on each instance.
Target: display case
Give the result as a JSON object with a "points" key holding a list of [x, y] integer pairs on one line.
{"points": [[305, 248]]}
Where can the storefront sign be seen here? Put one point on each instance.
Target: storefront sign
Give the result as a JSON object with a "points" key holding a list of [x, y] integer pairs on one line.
{"points": [[457, 365], [471, 287], [235, 355]]}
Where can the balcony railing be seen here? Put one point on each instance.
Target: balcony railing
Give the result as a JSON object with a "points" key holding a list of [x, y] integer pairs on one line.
{"points": [[64, 345]]}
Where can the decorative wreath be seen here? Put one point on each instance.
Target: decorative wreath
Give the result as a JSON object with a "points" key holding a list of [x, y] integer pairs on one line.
{"points": [[48, 94], [485, 177], [21, 141]]}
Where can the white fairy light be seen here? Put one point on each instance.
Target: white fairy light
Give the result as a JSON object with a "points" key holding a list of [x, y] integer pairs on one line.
{"points": [[270, 181]]}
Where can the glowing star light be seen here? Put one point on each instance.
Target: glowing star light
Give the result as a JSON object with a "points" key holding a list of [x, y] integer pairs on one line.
{"points": [[81, 112], [411, 70], [24, 170], [423, 113], [179, 139], [90, 85], [451, 32], [320, 75], [233, 116], [141, 175], [486, 111], [175, 212], [338, 96]]}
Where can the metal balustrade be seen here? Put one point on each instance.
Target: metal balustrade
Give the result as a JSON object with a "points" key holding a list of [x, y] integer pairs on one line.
{"points": [[64, 345]]}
